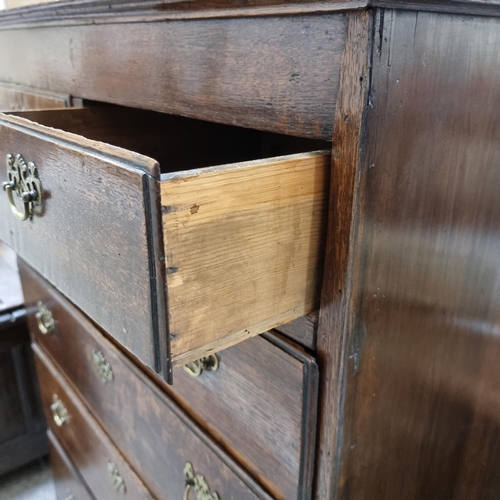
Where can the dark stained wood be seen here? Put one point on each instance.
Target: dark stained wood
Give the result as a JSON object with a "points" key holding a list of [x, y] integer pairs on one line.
{"points": [[422, 411], [333, 323], [154, 435], [67, 481], [273, 73], [22, 425], [469, 7], [112, 11], [71, 347], [90, 238], [177, 143], [10, 402], [17, 98], [85, 442], [267, 387], [302, 330]]}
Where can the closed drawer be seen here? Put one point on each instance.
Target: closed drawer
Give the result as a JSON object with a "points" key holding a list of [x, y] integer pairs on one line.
{"points": [[268, 387], [67, 481], [100, 464], [161, 445], [233, 250], [264, 385]]}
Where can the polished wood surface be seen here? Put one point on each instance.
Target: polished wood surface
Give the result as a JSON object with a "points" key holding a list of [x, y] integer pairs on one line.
{"points": [[407, 328], [85, 442], [68, 483], [156, 438], [273, 73], [266, 386], [333, 322], [421, 416], [243, 248]]}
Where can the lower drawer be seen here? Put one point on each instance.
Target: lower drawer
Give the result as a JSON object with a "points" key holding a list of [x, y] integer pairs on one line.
{"points": [[98, 461], [266, 386], [168, 452], [68, 483]]}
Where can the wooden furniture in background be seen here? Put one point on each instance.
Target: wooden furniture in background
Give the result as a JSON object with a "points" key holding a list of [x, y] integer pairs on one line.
{"points": [[22, 425]]}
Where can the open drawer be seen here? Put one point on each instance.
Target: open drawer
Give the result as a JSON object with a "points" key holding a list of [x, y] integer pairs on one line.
{"points": [[175, 257]]}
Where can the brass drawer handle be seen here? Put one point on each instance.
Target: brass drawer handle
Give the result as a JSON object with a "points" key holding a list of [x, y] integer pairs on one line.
{"points": [[44, 319], [24, 182], [59, 412], [209, 364], [199, 485], [116, 479], [103, 367]]}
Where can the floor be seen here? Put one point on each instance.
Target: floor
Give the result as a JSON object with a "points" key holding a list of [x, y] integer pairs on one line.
{"points": [[31, 482]]}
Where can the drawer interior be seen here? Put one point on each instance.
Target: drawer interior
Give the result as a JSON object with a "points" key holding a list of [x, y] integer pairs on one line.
{"points": [[177, 143], [239, 231]]}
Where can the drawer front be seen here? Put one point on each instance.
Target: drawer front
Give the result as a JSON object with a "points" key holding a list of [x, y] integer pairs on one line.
{"points": [[67, 481], [149, 430], [100, 464], [264, 385], [268, 387], [89, 236]]}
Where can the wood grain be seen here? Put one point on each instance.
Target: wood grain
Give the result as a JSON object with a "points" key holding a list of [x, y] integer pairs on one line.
{"points": [[268, 387], [243, 246], [302, 330], [67, 481], [85, 442], [120, 11], [154, 435], [90, 238], [334, 324], [274, 73], [422, 410], [176, 143], [16, 97], [263, 385]]}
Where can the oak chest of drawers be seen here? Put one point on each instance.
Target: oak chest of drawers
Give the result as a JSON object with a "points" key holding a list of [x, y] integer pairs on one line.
{"points": [[243, 243]]}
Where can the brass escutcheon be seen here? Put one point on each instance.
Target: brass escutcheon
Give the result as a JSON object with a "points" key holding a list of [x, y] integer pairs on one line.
{"points": [[59, 412], [198, 484], [44, 319], [209, 364], [25, 184], [103, 367], [116, 478]]}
